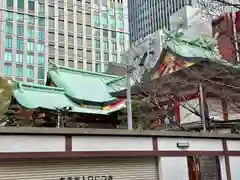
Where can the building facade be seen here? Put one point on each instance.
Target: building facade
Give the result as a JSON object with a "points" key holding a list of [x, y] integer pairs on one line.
{"points": [[147, 16], [83, 34]]}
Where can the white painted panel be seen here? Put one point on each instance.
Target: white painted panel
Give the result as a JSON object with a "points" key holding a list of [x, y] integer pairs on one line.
{"points": [[106, 143], [234, 167], [33, 143], [195, 144], [233, 111], [215, 109], [186, 115], [173, 168], [233, 145], [223, 167]]}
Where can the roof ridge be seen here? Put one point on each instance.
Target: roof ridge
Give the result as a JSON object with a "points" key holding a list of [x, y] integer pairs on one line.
{"points": [[39, 87], [87, 72]]}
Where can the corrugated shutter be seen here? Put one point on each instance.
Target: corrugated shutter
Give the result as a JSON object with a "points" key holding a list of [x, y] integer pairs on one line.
{"points": [[130, 168], [208, 167]]}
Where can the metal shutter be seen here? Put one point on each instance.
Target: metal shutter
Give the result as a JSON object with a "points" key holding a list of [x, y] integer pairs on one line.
{"points": [[208, 167], [122, 168]]}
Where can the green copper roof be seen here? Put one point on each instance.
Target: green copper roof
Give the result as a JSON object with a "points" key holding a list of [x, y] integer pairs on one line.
{"points": [[83, 85], [36, 96]]}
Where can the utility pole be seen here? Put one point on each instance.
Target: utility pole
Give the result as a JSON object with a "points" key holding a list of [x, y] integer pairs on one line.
{"points": [[235, 36], [129, 100], [202, 108]]}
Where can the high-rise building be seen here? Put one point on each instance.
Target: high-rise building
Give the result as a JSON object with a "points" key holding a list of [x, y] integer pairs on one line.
{"points": [[83, 34], [148, 16]]}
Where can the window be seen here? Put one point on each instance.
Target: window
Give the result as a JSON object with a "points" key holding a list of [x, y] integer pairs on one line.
{"points": [[19, 71], [114, 46], [30, 72], [98, 67], [8, 56], [106, 57], [7, 70], [40, 73], [41, 22], [31, 33], [31, 6], [9, 2], [104, 19], [8, 42], [30, 46], [105, 43], [114, 58], [97, 56], [19, 58], [41, 34], [20, 44], [31, 19], [20, 30], [97, 43], [41, 48], [120, 12], [120, 24], [122, 48], [20, 17], [9, 28], [113, 22], [96, 20], [121, 36], [41, 9], [9, 16], [41, 60], [30, 59], [21, 4]]}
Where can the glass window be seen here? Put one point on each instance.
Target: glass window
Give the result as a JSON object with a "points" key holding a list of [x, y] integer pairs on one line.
{"points": [[41, 60], [113, 22], [41, 9], [122, 47], [106, 57], [40, 73], [114, 58], [30, 72], [98, 56], [97, 43], [31, 33], [41, 48], [104, 19], [41, 22], [9, 2], [30, 59], [20, 44], [8, 42], [31, 19], [98, 67], [30, 46], [105, 43], [120, 24], [9, 28], [8, 56], [41, 34], [120, 12], [121, 36], [20, 30], [19, 71], [21, 4], [19, 58], [20, 17], [9, 16], [31, 6], [96, 20], [114, 46], [7, 70]]}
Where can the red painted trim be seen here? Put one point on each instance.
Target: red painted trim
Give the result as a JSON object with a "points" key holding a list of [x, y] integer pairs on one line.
{"points": [[177, 111], [68, 143], [224, 110], [155, 144], [226, 156]]}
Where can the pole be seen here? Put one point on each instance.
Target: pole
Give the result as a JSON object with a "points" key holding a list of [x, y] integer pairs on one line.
{"points": [[129, 101], [58, 118], [202, 108], [235, 36]]}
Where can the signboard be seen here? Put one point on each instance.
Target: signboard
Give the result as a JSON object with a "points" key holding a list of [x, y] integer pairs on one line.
{"points": [[88, 177]]}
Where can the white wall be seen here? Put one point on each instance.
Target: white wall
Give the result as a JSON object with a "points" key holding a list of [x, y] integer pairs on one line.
{"points": [[215, 109], [173, 168], [234, 167]]}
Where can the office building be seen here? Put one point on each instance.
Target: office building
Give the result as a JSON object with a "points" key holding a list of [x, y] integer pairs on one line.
{"points": [[83, 34], [148, 16]]}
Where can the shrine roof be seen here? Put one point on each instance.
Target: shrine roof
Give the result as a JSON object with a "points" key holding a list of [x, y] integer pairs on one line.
{"points": [[83, 85], [33, 96]]}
